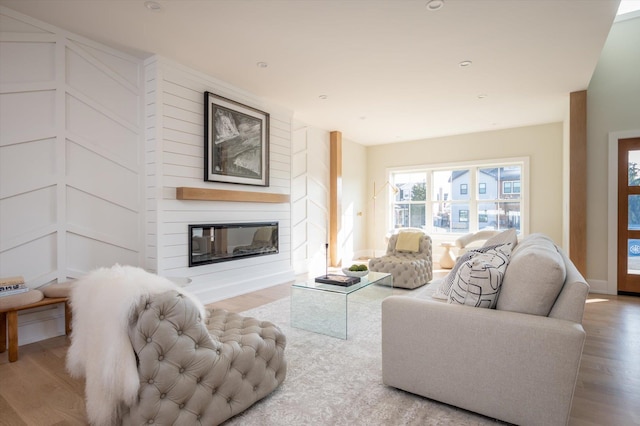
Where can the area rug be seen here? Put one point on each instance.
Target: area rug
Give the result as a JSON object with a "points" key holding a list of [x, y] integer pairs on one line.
{"points": [[339, 382]]}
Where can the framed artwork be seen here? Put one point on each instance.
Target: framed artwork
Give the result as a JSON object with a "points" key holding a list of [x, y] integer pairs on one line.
{"points": [[236, 145]]}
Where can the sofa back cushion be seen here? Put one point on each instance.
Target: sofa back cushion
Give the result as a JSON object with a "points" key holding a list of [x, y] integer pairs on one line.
{"points": [[534, 277], [509, 236]]}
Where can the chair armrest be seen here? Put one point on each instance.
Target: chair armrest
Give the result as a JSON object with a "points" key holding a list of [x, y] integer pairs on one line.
{"points": [[515, 367]]}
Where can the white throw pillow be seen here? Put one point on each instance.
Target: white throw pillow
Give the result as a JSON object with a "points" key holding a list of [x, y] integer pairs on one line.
{"points": [[477, 281]]}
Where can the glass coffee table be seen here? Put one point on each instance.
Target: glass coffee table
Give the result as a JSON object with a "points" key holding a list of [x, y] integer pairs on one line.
{"points": [[323, 308]]}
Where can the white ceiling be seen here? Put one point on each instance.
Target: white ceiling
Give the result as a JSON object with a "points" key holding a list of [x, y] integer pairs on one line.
{"points": [[389, 68]]}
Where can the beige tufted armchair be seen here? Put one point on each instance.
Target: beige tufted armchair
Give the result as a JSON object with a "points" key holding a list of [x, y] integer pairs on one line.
{"points": [[409, 269], [194, 373]]}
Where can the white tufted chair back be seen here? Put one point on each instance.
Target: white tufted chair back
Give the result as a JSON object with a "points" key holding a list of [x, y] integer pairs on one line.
{"points": [[200, 373]]}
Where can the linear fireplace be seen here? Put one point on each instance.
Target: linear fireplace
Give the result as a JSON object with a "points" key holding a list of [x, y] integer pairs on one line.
{"points": [[221, 242]]}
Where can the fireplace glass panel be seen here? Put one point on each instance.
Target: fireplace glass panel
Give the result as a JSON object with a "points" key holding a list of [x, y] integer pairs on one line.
{"points": [[212, 243]]}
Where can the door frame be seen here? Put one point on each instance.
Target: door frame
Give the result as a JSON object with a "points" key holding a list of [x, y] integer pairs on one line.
{"points": [[612, 225]]}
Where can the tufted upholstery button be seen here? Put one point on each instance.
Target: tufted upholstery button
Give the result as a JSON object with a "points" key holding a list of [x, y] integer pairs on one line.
{"points": [[244, 376], [229, 400], [181, 370], [199, 379], [181, 406], [199, 417], [150, 381], [197, 346], [218, 351], [213, 391], [163, 395], [148, 339], [147, 306], [179, 332], [160, 358], [161, 317], [255, 388], [150, 421]]}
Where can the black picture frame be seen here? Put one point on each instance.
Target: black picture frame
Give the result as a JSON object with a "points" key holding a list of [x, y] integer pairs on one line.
{"points": [[236, 142]]}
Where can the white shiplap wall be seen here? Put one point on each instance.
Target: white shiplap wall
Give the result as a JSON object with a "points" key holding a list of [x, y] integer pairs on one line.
{"points": [[174, 157], [70, 159], [310, 199]]}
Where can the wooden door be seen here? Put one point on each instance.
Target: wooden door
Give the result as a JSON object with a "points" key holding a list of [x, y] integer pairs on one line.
{"points": [[629, 215]]}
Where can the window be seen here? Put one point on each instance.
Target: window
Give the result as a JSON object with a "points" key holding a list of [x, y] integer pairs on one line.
{"points": [[437, 198]]}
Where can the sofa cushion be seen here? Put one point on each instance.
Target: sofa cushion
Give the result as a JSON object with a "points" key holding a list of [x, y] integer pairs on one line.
{"points": [[508, 236], [408, 241], [445, 285], [477, 281], [534, 278]]}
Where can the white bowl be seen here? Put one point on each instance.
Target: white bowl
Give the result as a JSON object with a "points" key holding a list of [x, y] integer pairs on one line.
{"points": [[349, 273]]}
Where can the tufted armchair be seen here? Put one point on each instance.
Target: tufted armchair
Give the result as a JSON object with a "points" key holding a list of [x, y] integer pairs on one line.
{"points": [[409, 269], [194, 373]]}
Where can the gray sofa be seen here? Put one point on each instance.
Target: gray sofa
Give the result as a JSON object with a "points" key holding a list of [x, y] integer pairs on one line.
{"points": [[517, 363]]}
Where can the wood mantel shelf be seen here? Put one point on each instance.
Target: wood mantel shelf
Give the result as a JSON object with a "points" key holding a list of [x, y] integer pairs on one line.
{"points": [[205, 194]]}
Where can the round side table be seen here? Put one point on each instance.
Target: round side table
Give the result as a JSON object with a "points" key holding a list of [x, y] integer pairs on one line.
{"points": [[448, 259]]}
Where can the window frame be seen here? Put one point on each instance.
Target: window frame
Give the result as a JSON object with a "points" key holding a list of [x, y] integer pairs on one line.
{"points": [[473, 198]]}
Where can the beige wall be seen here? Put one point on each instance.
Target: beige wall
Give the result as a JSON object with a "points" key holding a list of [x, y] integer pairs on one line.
{"points": [[613, 105], [354, 200], [543, 144]]}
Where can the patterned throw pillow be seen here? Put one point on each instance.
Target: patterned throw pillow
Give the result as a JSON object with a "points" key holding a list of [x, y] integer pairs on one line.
{"points": [[477, 281], [445, 286]]}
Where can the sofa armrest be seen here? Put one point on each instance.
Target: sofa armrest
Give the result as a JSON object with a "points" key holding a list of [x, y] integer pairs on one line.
{"points": [[515, 367]]}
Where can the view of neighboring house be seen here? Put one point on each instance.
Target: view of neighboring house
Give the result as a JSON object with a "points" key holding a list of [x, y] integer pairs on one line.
{"points": [[459, 201]]}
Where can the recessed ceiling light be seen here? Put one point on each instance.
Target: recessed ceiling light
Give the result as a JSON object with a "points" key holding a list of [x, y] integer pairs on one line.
{"points": [[262, 64], [465, 64], [363, 117], [323, 97], [435, 5], [482, 96], [152, 5]]}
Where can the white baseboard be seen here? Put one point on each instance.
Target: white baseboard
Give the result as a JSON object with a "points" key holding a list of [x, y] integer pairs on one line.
{"points": [[600, 287], [210, 295], [40, 324]]}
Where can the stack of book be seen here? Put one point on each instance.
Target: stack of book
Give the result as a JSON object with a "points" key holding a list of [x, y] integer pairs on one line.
{"points": [[11, 286]]}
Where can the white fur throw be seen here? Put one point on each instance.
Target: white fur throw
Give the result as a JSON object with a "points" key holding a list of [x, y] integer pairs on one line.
{"points": [[102, 303]]}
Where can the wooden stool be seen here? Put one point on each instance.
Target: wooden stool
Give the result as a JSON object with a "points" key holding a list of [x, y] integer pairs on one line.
{"points": [[9, 321]]}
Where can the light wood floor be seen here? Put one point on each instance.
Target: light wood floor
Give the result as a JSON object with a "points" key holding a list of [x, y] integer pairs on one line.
{"points": [[37, 391]]}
